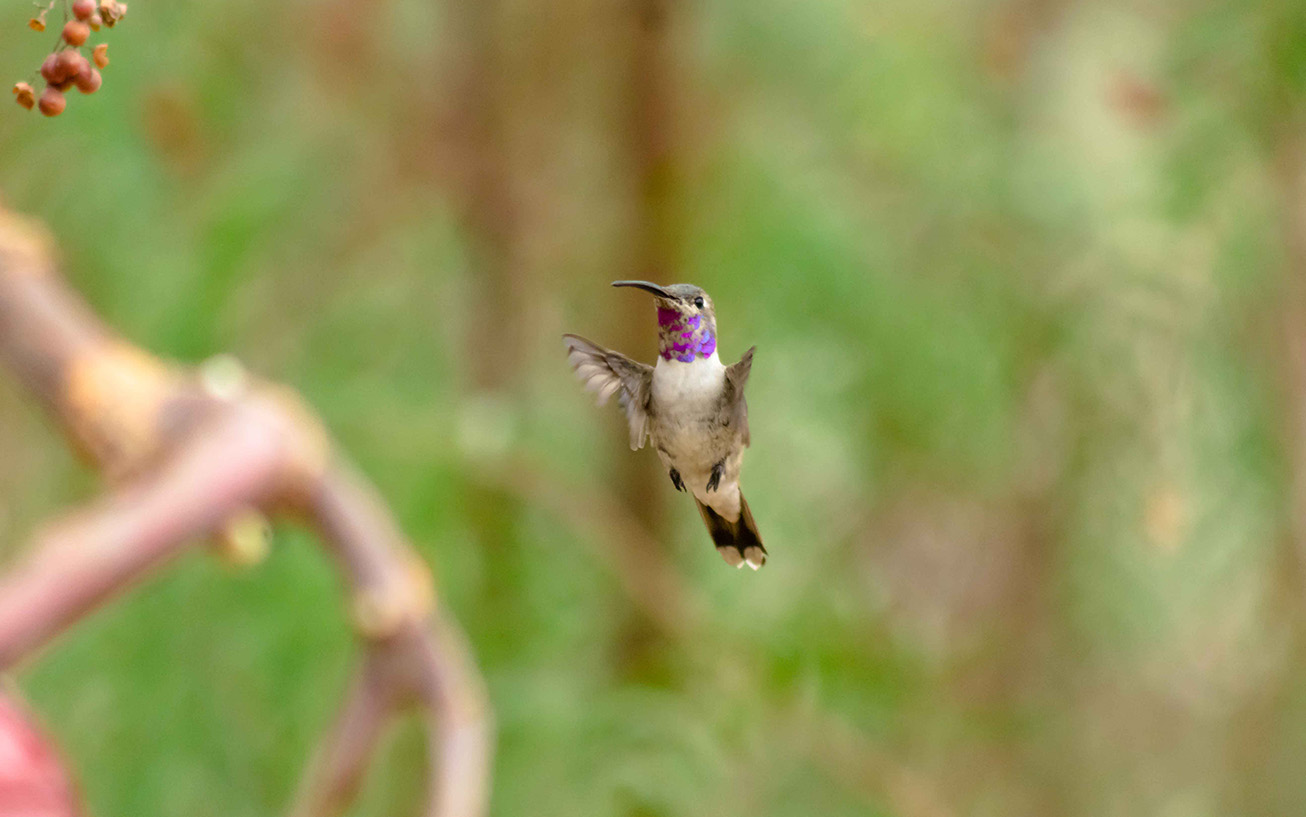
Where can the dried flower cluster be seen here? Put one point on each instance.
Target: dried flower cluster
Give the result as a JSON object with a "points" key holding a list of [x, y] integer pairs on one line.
{"points": [[66, 66]]}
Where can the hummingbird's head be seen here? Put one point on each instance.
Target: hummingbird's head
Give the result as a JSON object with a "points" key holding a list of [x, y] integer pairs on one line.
{"points": [[686, 320]]}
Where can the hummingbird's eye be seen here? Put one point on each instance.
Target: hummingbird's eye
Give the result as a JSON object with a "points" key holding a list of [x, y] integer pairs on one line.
{"points": [[698, 302]]}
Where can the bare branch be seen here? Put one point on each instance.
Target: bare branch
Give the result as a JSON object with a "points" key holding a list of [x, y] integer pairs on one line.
{"points": [[424, 658], [83, 559], [456, 718], [342, 757], [190, 451]]}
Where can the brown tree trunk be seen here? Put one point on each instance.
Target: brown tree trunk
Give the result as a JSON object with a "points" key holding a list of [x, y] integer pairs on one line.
{"points": [[651, 237], [494, 348], [640, 483], [483, 176], [1256, 731]]}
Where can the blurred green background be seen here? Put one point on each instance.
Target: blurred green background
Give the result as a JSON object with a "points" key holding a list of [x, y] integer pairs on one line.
{"points": [[1028, 284]]}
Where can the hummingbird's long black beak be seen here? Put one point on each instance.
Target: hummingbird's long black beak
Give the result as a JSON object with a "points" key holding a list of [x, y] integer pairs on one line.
{"points": [[644, 285]]}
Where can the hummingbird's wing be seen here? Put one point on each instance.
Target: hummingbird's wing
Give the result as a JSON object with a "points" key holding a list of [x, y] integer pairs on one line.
{"points": [[734, 405], [607, 373]]}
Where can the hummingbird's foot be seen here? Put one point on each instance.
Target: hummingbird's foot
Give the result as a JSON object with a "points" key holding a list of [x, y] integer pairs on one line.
{"points": [[714, 481], [676, 481]]}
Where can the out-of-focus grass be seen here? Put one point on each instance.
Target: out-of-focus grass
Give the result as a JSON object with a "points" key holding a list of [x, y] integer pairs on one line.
{"points": [[1016, 407]]}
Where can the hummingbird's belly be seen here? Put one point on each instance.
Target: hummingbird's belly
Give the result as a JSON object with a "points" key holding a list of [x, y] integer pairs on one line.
{"points": [[688, 429], [694, 452], [692, 445]]}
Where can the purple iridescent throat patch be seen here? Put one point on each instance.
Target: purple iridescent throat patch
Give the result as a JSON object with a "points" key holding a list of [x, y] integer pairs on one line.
{"points": [[684, 338]]}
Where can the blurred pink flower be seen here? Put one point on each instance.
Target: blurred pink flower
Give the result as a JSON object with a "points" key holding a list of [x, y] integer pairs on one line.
{"points": [[33, 782]]}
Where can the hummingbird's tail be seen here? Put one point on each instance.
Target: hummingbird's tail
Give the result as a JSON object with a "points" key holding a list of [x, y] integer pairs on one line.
{"points": [[739, 543]]}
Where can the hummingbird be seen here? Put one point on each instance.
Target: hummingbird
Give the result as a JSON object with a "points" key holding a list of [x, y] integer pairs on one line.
{"points": [[690, 406]]}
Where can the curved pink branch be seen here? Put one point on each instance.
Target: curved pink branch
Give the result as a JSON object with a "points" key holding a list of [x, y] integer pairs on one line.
{"points": [[80, 561], [190, 454]]}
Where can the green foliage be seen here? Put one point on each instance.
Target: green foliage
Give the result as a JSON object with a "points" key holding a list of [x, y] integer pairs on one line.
{"points": [[1018, 418]]}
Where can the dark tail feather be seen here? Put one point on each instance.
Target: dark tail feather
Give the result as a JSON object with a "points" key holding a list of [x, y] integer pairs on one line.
{"points": [[738, 542]]}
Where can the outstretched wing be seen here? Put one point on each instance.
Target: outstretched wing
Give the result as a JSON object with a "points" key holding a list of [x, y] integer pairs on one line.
{"points": [[734, 404], [607, 373]]}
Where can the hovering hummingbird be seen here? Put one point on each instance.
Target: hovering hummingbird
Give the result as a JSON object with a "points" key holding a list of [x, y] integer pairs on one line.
{"points": [[692, 408]]}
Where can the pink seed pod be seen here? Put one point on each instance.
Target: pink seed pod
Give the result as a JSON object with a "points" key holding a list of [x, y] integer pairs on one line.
{"points": [[76, 32], [52, 70], [52, 101], [70, 64], [89, 81]]}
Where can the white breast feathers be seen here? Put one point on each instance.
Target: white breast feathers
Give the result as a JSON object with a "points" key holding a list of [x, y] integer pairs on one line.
{"points": [[686, 385]]}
